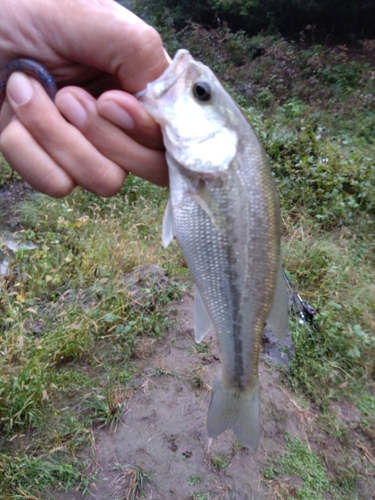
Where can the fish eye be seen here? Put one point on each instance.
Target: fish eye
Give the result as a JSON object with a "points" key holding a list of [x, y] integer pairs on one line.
{"points": [[202, 91]]}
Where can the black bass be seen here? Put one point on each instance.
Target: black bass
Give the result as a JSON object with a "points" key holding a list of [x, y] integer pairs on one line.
{"points": [[224, 212]]}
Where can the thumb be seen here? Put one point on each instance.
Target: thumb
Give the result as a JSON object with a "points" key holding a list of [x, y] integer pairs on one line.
{"points": [[106, 36]]}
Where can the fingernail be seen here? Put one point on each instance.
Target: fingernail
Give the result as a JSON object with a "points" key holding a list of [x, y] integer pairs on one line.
{"points": [[19, 89], [117, 115], [72, 109]]}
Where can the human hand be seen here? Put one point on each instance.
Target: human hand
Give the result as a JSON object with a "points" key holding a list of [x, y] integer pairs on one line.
{"points": [[96, 45]]}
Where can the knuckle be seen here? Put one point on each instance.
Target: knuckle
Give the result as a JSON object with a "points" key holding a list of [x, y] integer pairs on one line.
{"points": [[150, 38]]}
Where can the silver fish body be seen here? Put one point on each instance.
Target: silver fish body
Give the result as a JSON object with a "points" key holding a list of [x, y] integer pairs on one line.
{"points": [[224, 212]]}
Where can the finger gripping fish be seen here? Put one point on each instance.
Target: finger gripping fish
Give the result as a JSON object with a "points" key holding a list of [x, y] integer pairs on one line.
{"points": [[224, 212]]}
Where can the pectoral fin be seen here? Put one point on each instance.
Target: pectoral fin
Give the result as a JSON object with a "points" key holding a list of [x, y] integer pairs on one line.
{"points": [[206, 200], [202, 321], [167, 231], [278, 316], [205, 206]]}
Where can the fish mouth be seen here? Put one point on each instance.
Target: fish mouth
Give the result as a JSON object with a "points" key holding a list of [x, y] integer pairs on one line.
{"points": [[161, 88], [158, 88], [162, 84]]}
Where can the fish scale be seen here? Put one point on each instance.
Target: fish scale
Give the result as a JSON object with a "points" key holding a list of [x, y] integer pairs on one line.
{"points": [[225, 214]]}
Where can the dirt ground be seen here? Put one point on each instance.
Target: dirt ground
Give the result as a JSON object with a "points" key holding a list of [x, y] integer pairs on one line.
{"points": [[163, 428]]}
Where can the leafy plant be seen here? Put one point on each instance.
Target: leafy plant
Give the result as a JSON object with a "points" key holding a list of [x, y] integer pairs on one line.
{"points": [[194, 480], [221, 461]]}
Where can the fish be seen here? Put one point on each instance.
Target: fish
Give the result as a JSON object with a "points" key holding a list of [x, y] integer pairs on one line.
{"points": [[224, 212]]}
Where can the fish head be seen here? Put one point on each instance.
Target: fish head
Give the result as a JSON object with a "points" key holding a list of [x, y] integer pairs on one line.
{"points": [[198, 118]]}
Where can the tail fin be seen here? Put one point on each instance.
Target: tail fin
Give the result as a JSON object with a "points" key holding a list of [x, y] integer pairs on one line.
{"points": [[232, 408]]}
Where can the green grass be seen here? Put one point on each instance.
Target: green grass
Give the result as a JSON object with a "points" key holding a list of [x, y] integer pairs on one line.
{"points": [[313, 476], [26, 475], [337, 279], [299, 460]]}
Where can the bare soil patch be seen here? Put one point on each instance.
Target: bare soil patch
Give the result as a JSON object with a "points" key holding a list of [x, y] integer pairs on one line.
{"points": [[11, 194], [162, 431]]}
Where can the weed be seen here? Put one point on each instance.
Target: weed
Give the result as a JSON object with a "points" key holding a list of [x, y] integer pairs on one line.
{"points": [[201, 348], [105, 407], [194, 480], [200, 495], [265, 98], [221, 461], [130, 482], [161, 371], [345, 76], [197, 379]]}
